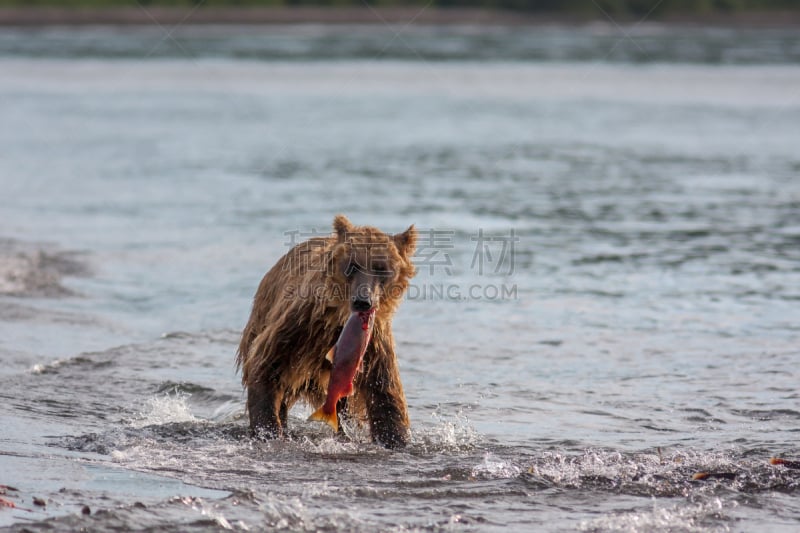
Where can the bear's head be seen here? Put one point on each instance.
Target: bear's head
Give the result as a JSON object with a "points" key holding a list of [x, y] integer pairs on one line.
{"points": [[374, 268]]}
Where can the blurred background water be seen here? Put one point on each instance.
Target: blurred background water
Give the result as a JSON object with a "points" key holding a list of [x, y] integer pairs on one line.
{"points": [[640, 325]]}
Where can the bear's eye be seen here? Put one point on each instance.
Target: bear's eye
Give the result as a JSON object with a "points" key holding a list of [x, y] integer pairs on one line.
{"points": [[383, 271]]}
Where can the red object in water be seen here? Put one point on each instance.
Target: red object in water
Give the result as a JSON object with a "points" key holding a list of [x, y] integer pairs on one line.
{"points": [[795, 465]]}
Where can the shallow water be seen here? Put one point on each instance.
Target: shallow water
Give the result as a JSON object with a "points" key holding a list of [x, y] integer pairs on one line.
{"points": [[648, 329]]}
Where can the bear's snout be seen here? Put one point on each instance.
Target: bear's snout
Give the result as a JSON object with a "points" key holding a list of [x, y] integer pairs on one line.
{"points": [[362, 304], [364, 292]]}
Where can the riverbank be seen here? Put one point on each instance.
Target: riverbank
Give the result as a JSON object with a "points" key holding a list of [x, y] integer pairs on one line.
{"points": [[52, 16]]}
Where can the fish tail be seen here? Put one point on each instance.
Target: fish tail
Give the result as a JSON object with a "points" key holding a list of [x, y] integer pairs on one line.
{"points": [[331, 419]]}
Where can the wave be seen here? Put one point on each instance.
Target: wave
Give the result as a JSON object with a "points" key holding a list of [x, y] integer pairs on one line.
{"points": [[36, 270]]}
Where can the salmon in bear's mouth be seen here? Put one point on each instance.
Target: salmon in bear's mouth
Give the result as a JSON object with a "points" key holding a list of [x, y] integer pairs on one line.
{"points": [[366, 318], [346, 357]]}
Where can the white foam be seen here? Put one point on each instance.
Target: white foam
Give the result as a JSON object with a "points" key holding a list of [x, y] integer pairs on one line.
{"points": [[567, 470], [41, 368], [691, 517], [293, 514], [451, 433], [644, 469], [495, 468], [330, 445], [14, 271], [166, 409], [119, 456], [210, 510]]}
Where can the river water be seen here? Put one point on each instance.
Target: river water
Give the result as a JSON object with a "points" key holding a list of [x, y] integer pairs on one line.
{"points": [[608, 297]]}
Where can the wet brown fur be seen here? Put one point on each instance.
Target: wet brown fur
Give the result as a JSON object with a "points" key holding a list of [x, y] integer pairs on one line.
{"points": [[298, 312]]}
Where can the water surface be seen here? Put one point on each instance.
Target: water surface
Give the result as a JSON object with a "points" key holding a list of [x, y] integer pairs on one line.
{"points": [[649, 328]]}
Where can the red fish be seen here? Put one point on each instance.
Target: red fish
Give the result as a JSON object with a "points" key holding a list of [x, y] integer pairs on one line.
{"points": [[346, 357], [785, 462]]}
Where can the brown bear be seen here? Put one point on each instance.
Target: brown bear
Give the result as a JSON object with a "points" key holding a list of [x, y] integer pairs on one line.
{"points": [[298, 312]]}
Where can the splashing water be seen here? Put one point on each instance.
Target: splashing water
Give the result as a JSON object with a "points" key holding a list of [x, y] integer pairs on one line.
{"points": [[164, 409], [696, 517]]}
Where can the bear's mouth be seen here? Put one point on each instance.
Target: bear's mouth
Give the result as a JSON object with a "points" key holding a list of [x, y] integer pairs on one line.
{"points": [[366, 318]]}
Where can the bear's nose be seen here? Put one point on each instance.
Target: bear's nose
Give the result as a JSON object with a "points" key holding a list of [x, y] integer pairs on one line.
{"points": [[361, 304]]}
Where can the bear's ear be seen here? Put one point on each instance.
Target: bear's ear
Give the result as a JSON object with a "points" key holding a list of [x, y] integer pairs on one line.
{"points": [[342, 226], [406, 242]]}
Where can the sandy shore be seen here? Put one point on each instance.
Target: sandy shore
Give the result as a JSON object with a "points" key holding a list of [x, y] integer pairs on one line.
{"points": [[321, 15]]}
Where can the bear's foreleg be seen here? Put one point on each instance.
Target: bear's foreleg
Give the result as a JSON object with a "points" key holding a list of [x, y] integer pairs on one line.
{"points": [[388, 420], [267, 410], [385, 400]]}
